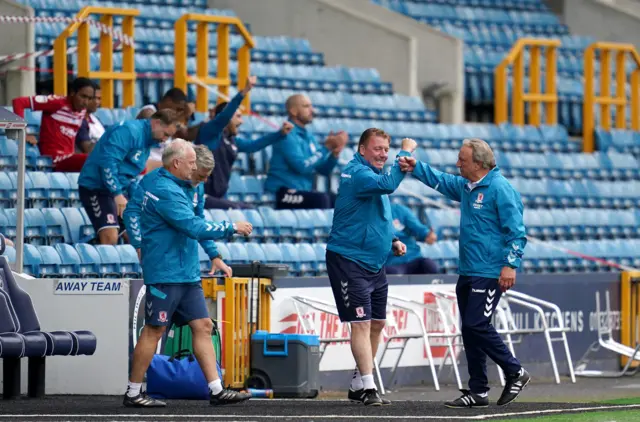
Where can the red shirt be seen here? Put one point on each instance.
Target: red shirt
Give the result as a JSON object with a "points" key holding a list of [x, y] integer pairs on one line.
{"points": [[59, 125]]}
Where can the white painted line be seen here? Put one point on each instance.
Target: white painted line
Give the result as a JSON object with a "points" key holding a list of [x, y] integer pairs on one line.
{"points": [[320, 417]]}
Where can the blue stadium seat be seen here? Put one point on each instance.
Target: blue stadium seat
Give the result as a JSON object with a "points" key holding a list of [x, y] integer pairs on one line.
{"points": [[224, 251], [129, 263], [109, 261], [271, 224], [57, 228], [89, 260], [238, 253], [253, 217], [80, 230], [59, 190], [255, 252], [320, 250], [308, 260], [291, 257], [272, 253], [50, 263]]}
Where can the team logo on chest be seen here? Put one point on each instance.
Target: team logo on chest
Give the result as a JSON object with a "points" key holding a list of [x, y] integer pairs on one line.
{"points": [[478, 202]]}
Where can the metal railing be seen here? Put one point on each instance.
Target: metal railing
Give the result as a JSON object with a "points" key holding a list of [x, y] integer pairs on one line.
{"points": [[223, 75], [106, 73], [549, 98], [602, 51]]}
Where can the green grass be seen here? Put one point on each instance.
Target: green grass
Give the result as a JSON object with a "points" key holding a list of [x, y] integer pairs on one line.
{"points": [[631, 415], [617, 416]]}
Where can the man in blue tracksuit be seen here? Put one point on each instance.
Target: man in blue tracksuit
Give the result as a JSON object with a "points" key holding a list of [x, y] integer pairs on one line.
{"points": [[116, 160], [357, 249], [492, 241], [407, 228], [296, 160], [170, 233], [204, 166], [220, 135]]}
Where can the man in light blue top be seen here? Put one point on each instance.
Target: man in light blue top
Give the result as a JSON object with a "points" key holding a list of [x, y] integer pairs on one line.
{"points": [[297, 159], [205, 164], [170, 232], [492, 242], [114, 163], [360, 240]]}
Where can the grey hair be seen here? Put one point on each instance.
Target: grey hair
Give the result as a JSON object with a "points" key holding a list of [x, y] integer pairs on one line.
{"points": [[481, 152], [204, 157], [178, 148]]}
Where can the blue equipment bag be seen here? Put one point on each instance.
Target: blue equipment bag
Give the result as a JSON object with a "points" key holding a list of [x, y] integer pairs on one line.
{"points": [[177, 377]]}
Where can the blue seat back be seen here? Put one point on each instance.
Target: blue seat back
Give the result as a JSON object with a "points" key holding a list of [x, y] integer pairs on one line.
{"points": [[22, 304]]}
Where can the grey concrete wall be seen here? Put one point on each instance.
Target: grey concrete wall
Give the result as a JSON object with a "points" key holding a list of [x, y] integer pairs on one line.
{"points": [[606, 20], [16, 38], [107, 316], [359, 33]]}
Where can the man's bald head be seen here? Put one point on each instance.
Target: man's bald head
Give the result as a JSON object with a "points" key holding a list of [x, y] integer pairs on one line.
{"points": [[299, 109]]}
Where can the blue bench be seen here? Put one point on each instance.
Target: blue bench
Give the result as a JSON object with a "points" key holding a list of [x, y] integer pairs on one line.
{"points": [[21, 337]]}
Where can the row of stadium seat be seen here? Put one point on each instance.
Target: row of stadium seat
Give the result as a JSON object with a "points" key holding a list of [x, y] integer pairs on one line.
{"points": [[50, 226], [506, 4], [557, 224], [308, 259], [542, 193]]}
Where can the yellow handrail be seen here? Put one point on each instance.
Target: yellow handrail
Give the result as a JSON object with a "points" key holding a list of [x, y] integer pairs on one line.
{"points": [[605, 99], [222, 79], [629, 312], [535, 97], [106, 73]]}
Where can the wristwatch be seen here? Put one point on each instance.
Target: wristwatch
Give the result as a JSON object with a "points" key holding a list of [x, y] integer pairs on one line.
{"points": [[235, 228]]}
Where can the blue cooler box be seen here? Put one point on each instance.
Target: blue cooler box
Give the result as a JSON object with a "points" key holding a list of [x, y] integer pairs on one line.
{"points": [[289, 364]]}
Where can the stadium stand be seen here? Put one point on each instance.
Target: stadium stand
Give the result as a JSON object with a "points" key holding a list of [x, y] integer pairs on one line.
{"points": [[573, 199]]}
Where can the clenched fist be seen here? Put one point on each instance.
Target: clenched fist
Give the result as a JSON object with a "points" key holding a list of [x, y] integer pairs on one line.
{"points": [[409, 145], [286, 128], [243, 227]]}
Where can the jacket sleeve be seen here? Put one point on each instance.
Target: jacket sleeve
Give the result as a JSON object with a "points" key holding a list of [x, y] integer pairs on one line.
{"points": [[447, 184], [177, 211], [321, 160], [44, 103], [114, 150], [209, 246], [131, 215], [209, 133], [367, 183], [511, 220], [413, 224], [247, 145]]}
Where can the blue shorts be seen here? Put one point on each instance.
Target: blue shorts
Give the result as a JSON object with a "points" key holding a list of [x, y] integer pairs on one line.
{"points": [[177, 303], [101, 209], [360, 295]]}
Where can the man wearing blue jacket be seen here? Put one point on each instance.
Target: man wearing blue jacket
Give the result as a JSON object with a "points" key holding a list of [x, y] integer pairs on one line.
{"points": [[299, 157], [357, 249], [407, 228], [114, 163], [170, 233], [220, 134], [492, 241], [205, 164]]}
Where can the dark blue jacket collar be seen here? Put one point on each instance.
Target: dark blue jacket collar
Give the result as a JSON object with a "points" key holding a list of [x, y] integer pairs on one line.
{"points": [[182, 183]]}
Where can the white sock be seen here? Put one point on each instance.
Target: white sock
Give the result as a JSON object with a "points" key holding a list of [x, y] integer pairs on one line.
{"points": [[368, 383], [215, 386], [356, 381], [133, 389]]}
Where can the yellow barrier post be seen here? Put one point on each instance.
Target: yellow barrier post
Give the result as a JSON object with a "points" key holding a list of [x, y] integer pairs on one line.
{"points": [[629, 312], [106, 73], [239, 324], [222, 79], [519, 97], [605, 99]]}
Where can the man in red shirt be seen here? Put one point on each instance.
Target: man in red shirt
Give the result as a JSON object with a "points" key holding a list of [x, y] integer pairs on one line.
{"points": [[61, 120]]}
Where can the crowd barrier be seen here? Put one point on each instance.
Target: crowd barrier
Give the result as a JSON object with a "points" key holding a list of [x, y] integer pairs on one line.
{"points": [[116, 317]]}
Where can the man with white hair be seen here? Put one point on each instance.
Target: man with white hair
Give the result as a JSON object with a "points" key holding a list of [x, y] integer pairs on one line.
{"points": [[492, 241], [170, 232], [205, 164]]}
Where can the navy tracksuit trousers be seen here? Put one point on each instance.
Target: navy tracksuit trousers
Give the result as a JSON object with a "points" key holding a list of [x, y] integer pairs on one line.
{"points": [[477, 299]]}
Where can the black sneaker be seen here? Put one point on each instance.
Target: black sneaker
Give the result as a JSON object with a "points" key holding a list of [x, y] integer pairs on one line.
{"points": [[142, 400], [358, 396], [371, 397], [468, 399], [513, 387], [228, 397]]}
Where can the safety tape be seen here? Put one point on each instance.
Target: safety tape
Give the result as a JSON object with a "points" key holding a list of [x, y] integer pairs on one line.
{"points": [[115, 33]]}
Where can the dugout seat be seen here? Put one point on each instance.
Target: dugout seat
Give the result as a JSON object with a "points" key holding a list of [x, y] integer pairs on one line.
{"points": [[109, 261], [50, 262], [129, 262], [38, 343]]}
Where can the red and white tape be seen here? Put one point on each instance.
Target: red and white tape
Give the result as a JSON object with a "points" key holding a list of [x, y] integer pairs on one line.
{"points": [[116, 34]]}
